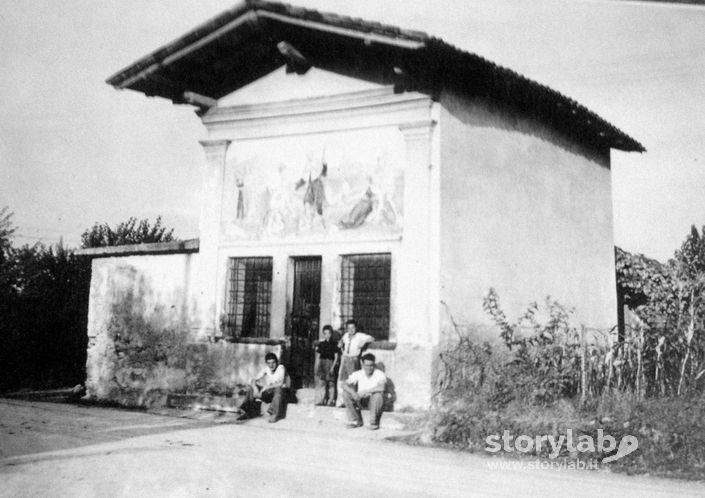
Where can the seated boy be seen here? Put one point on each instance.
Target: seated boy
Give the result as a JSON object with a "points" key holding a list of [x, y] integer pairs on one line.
{"points": [[269, 387], [326, 368]]}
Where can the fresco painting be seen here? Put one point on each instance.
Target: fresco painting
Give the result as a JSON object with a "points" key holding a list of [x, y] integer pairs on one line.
{"points": [[315, 186]]}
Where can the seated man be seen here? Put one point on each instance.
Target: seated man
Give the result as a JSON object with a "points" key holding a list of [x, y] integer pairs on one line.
{"points": [[269, 387], [365, 388]]}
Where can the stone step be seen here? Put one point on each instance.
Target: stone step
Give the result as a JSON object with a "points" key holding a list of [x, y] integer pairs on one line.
{"points": [[306, 396], [391, 420], [304, 409]]}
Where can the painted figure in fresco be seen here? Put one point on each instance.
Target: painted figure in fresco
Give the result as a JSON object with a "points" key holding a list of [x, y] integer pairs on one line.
{"points": [[240, 172], [389, 212], [316, 192], [375, 206], [382, 184], [278, 211], [240, 183], [315, 196], [359, 213]]}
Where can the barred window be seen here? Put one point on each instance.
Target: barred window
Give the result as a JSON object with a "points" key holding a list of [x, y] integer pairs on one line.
{"points": [[364, 292], [249, 297]]}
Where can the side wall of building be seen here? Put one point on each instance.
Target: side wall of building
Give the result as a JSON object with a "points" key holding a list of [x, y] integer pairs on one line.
{"points": [[524, 212]]}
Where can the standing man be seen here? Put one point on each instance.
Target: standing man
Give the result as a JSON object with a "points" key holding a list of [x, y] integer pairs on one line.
{"points": [[326, 369], [365, 388], [352, 344], [269, 387]]}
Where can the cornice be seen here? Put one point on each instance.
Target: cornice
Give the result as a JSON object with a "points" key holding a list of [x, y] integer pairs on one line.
{"points": [[367, 108]]}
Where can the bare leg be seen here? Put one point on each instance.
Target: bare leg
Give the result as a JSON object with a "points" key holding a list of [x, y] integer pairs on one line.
{"points": [[321, 391], [332, 392]]}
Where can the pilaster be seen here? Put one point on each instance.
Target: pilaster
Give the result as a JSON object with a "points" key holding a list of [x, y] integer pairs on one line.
{"points": [[213, 175], [415, 265]]}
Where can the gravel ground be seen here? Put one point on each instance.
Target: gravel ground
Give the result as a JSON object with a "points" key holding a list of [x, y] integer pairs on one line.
{"points": [[67, 450]]}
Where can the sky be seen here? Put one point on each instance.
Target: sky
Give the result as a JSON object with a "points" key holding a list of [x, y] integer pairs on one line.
{"points": [[75, 151]]}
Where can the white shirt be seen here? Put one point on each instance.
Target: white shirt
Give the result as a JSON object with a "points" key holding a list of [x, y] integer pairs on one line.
{"points": [[275, 378], [374, 382], [352, 346]]}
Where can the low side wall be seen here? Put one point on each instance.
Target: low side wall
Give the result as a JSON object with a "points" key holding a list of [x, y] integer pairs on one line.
{"points": [[141, 341], [213, 368]]}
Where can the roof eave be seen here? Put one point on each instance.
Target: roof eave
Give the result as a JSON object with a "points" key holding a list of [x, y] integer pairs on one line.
{"points": [[251, 12], [432, 62]]}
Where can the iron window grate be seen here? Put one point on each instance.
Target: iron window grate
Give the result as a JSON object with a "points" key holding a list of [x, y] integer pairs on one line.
{"points": [[365, 292], [249, 297]]}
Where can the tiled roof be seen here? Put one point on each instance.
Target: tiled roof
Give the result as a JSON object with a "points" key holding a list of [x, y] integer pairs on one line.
{"points": [[240, 46]]}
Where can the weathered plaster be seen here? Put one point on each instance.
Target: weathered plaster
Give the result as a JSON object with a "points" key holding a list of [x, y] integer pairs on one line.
{"points": [[142, 345]]}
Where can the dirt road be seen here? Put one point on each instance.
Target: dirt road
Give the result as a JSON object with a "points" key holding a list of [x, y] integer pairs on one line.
{"points": [[99, 452], [33, 427]]}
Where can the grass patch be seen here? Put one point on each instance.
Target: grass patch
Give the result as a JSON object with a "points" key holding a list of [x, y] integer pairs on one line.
{"points": [[670, 432]]}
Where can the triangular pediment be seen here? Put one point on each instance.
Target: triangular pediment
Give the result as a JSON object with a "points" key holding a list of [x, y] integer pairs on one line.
{"points": [[279, 86]]}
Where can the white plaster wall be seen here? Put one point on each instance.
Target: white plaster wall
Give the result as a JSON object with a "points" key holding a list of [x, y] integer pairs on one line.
{"points": [[524, 212], [164, 284], [154, 289]]}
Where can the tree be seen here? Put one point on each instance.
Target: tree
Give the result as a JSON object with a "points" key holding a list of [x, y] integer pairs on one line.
{"points": [[8, 273], [649, 287], [132, 231], [43, 313], [690, 269], [44, 303], [44, 324], [6, 228], [670, 299]]}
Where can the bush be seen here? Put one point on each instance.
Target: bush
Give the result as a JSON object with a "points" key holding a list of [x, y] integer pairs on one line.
{"points": [[532, 387], [43, 317]]}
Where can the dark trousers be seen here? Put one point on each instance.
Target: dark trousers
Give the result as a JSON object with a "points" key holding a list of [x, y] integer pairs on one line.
{"points": [[275, 396], [374, 401]]}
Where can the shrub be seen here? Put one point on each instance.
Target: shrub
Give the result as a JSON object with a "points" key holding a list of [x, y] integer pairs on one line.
{"points": [[531, 386]]}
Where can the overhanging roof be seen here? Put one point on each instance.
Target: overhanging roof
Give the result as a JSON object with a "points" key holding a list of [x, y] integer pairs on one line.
{"points": [[254, 38]]}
